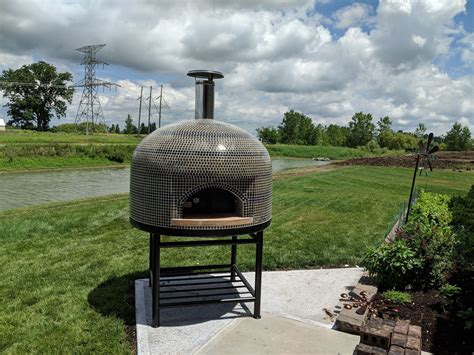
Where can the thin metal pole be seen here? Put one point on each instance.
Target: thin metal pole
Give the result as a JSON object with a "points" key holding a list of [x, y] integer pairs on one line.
{"points": [[149, 110], [140, 110], [159, 113], [412, 187], [233, 259], [156, 281], [258, 275], [150, 260]]}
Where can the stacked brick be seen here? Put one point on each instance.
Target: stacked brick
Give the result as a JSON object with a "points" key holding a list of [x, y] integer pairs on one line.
{"points": [[380, 336]]}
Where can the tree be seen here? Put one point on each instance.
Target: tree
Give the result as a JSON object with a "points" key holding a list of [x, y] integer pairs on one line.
{"points": [[337, 135], [112, 128], [143, 129], [296, 128], [129, 126], [384, 124], [361, 130], [269, 135], [42, 95], [458, 138], [117, 128], [420, 130]]}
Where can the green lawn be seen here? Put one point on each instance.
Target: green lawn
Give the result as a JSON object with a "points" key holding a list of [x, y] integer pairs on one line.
{"points": [[68, 268]]}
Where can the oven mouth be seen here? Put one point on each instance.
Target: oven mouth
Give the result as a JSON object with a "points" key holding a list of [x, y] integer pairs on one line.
{"points": [[212, 207]]}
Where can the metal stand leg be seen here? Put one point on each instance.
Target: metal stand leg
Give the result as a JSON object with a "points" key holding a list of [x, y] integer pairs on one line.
{"points": [[233, 259], [156, 280], [150, 261], [258, 275]]}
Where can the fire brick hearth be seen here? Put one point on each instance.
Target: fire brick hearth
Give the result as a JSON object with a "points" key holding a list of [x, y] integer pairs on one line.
{"points": [[207, 179]]}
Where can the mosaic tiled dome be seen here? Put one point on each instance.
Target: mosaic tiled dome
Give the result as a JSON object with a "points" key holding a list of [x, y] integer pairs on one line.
{"points": [[175, 162]]}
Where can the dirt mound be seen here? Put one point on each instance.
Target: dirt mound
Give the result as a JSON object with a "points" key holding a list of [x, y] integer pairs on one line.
{"points": [[445, 160]]}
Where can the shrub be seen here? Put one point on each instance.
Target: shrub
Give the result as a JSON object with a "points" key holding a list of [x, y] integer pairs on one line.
{"points": [[397, 297], [424, 253], [393, 264]]}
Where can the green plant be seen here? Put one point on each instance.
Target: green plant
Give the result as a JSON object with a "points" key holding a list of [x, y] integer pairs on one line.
{"points": [[449, 290], [430, 236], [467, 315], [397, 297], [393, 264]]}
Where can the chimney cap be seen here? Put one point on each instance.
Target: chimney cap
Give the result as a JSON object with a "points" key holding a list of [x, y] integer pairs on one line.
{"points": [[206, 74]]}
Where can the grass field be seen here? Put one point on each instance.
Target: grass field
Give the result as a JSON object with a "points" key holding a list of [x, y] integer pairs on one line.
{"points": [[68, 269], [33, 137], [31, 150]]}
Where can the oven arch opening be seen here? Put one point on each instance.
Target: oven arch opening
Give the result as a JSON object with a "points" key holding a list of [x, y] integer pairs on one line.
{"points": [[212, 207], [212, 202]]}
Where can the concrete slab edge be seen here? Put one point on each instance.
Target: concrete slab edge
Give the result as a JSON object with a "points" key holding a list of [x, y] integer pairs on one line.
{"points": [[140, 311]]}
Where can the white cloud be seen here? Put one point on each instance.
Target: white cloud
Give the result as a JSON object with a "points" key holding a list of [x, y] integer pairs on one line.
{"points": [[356, 14]]}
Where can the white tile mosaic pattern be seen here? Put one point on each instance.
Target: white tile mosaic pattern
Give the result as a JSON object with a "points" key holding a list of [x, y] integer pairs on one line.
{"points": [[176, 161]]}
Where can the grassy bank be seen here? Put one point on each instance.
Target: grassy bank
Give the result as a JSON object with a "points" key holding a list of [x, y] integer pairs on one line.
{"points": [[39, 156], [68, 269], [11, 136]]}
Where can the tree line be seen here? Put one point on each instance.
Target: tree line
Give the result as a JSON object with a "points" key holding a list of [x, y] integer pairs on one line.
{"points": [[297, 128]]}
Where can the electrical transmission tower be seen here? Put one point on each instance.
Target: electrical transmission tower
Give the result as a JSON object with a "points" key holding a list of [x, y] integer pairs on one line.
{"points": [[90, 110]]}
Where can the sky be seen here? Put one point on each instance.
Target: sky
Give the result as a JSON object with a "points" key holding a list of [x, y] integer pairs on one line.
{"points": [[410, 60]]}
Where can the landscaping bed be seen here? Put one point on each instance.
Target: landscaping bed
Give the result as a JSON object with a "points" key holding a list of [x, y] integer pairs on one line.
{"points": [[427, 273], [446, 160]]}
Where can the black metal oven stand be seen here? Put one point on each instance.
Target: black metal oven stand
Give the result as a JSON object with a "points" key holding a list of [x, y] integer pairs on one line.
{"points": [[221, 287]]}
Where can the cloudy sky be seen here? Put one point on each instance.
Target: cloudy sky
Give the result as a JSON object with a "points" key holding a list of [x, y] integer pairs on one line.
{"points": [[410, 60]]}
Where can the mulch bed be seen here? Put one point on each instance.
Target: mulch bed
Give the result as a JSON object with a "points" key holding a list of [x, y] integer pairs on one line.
{"points": [[446, 160], [442, 333]]}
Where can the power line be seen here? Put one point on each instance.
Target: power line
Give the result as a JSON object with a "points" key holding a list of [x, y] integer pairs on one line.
{"points": [[90, 85]]}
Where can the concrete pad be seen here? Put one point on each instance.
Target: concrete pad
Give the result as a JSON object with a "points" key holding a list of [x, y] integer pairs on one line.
{"points": [[303, 294], [277, 335], [299, 295]]}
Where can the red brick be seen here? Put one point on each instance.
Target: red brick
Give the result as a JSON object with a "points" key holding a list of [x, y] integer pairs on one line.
{"points": [[396, 350], [399, 340], [414, 331], [401, 326], [364, 349], [413, 343]]}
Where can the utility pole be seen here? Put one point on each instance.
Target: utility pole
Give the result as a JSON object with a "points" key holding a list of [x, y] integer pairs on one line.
{"points": [[149, 110], [90, 85], [140, 109], [159, 112]]}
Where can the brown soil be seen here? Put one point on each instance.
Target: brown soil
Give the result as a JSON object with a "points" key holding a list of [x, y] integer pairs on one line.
{"points": [[441, 332], [445, 160]]}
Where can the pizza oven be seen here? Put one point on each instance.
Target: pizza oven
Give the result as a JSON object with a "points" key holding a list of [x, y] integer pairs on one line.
{"points": [[201, 177]]}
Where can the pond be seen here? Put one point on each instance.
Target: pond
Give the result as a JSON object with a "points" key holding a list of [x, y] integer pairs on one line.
{"points": [[33, 188]]}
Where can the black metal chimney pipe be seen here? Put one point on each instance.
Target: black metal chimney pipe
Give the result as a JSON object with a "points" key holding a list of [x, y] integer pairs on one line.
{"points": [[204, 103]]}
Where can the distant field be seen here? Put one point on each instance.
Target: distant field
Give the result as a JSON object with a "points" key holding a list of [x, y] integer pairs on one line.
{"points": [[333, 153], [27, 150], [34, 137]]}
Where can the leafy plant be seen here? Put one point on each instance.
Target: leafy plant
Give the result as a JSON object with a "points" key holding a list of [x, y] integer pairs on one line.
{"points": [[392, 264], [467, 315], [449, 290], [397, 297]]}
